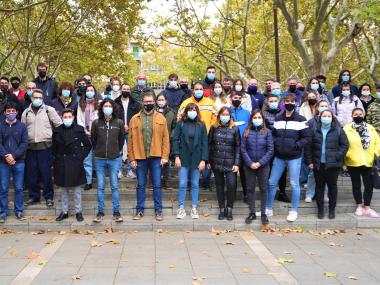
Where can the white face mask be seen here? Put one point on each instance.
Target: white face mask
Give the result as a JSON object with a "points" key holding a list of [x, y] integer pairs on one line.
{"points": [[366, 93], [116, 88], [238, 88]]}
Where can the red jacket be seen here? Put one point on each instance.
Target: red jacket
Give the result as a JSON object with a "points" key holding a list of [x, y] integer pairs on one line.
{"points": [[21, 93]]}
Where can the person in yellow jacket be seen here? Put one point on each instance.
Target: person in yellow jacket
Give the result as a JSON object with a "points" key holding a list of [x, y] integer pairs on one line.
{"points": [[207, 107], [364, 144]]}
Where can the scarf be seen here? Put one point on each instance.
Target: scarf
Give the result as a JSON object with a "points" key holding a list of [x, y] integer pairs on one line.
{"points": [[363, 133]]}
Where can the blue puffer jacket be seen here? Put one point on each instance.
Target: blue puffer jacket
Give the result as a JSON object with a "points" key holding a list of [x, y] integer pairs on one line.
{"points": [[174, 98], [257, 146]]}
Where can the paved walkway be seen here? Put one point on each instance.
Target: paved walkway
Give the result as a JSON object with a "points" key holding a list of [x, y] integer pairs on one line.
{"points": [[286, 256]]}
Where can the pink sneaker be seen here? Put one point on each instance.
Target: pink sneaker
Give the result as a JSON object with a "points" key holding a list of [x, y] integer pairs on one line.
{"points": [[359, 211], [371, 213]]}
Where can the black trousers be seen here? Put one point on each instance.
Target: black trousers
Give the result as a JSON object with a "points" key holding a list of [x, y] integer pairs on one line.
{"points": [[262, 175], [242, 177], [327, 176], [365, 173], [228, 178]]}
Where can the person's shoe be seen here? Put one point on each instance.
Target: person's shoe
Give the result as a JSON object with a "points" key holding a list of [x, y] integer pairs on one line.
{"points": [[20, 216], [117, 217], [87, 187], [138, 216], [3, 219], [222, 214], [250, 218], [305, 186], [181, 213], [283, 197], [326, 199], [321, 214], [79, 217], [268, 212], [229, 214], [99, 217], [371, 213], [331, 214], [62, 216], [264, 220], [359, 211], [194, 213], [159, 216], [131, 174], [49, 203], [31, 202], [308, 199], [120, 174], [292, 216]]}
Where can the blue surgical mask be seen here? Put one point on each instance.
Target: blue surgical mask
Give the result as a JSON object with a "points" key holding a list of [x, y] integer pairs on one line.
{"points": [[198, 94], [314, 86], [276, 92], [11, 116], [37, 102], [345, 78], [107, 111], [67, 122], [66, 93], [257, 122], [224, 119], [211, 76], [218, 91], [192, 115], [90, 94], [273, 106], [322, 84], [321, 109], [141, 82], [326, 121], [29, 92], [346, 93], [173, 84]]}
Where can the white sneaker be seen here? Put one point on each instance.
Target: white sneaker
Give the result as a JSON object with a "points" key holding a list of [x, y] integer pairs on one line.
{"points": [[292, 216], [181, 213], [326, 199], [268, 212], [305, 186], [308, 200], [131, 174], [120, 174], [194, 213]]}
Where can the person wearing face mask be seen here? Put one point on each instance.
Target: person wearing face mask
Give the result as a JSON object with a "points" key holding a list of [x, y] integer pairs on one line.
{"points": [[209, 81], [257, 150], [65, 99], [40, 120], [114, 90], [13, 146], [224, 153], [47, 84], [365, 96], [80, 89], [184, 85], [318, 87], [171, 121], [373, 115], [268, 87], [141, 88], [219, 97], [308, 108], [174, 94], [245, 99], [70, 147], [364, 144], [257, 99], [344, 104], [324, 156], [7, 96], [344, 79], [128, 107], [292, 89], [148, 151], [107, 135], [190, 150], [16, 90], [87, 113], [30, 87], [291, 134], [227, 84]]}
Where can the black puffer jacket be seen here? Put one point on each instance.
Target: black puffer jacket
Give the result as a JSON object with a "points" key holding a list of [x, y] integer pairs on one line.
{"points": [[336, 147], [224, 148]]}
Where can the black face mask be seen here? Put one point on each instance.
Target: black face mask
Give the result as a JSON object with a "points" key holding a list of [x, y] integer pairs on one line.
{"points": [[290, 107], [227, 88], [125, 94], [42, 74], [301, 89], [184, 86], [15, 85], [4, 87], [236, 103], [312, 101], [148, 107], [81, 89], [292, 88], [358, 120]]}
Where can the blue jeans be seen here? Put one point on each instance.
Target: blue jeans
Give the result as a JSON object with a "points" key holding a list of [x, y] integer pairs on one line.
{"points": [[278, 167], [17, 172], [87, 163], [183, 174], [113, 166], [154, 167]]}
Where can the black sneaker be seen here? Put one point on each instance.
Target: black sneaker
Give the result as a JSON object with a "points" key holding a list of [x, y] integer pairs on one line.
{"points": [[87, 187], [264, 220], [62, 216], [49, 203], [117, 217], [222, 214], [283, 197], [99, 217], [31, 202], [3, 219], [251, 217], [79, 217], [20, 216]]}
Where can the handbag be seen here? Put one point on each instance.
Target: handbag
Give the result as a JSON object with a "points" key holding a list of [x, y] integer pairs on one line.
{"points": [[376, 173]]}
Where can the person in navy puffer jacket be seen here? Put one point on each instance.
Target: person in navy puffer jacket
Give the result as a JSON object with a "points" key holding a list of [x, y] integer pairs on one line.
{"points": [[257, 151], [175, 95]]}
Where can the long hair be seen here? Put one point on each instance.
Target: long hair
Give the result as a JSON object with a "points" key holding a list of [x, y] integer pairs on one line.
{"points": [[334, 119], [250, 124], [319, 103], [230, 123], [222, 96], [341, 90], [340, 81], [114, 107], [83, 102], [190, 107]]}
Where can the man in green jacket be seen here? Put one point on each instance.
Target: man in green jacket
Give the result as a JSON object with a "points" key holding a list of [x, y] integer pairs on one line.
{"points": [[141, 88]]}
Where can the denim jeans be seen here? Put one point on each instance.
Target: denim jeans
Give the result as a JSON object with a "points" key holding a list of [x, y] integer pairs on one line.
{"points": [[17, 172], [113, 166], [87, 163], [154, 167], [183, 174], [294, 168]]}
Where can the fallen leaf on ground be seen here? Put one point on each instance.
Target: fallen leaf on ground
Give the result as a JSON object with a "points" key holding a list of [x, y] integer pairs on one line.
{"points": [[335, 244], [312, 253], [38, 233], [287, 252], [76, 277], [376, 231], [229, 243], [352, 277], [61, 233], [94, 243], [51, 241], [32, 255], [206, 215], [171, 266], [89, 232], [75, 231], [42, 262], [160, 231], [6, 231], [109, 230], [246, 270], [181, 241], [188, 232], [113, 241], [330, 274], [299, 229], [13, 252], [284, 260]]}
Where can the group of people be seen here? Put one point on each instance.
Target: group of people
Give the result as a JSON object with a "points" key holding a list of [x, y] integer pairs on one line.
{"points": [[219, 128]]}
